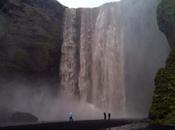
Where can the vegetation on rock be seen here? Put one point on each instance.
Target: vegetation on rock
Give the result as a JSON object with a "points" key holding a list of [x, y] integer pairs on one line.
{"points": [[163, 106]]}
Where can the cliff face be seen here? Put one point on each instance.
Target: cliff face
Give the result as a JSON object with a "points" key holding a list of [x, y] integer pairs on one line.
{"points": [[163, 107], [31, 38], [30, 44]]}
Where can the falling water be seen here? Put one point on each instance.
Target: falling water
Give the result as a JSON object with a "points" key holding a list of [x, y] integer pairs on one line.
{"points": [[92, 57], [69, 69], [110, 55], [145, 50], [107, 54]]}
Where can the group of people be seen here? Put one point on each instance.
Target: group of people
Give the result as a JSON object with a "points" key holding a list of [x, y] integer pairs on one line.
{"points": [[105, 116]]}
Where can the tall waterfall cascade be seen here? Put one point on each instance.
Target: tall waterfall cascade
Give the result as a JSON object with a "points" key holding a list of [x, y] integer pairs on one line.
{"points": [[92, 57], [110, 55]]}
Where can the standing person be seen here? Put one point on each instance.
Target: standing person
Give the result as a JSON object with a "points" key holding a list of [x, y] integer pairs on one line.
{"points": [[109, 116], [70, 116], [104, 116]]}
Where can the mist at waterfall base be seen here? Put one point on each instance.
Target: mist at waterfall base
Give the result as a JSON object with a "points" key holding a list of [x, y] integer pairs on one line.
{"points": [[111, 66], [40, 101]]}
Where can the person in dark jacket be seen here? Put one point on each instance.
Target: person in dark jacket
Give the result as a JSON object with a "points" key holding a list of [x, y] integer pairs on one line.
{"points": [[109, 116], [105, 116]]}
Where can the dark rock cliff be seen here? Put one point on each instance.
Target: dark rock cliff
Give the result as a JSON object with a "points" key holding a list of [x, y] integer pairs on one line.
{"points": [[30, 38], [163, 106]]}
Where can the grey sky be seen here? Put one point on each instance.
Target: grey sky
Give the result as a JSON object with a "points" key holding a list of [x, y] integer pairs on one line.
{"points": [[84, 3]]}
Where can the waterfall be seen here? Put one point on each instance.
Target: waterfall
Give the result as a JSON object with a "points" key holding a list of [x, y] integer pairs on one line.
{"points": [[107, 54], [111, 54], [145, 50], [69, 68], [106, 58], [99, 80]]}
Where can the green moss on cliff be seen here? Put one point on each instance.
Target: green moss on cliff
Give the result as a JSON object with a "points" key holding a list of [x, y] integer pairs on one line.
{"points": [[167, 6], [163, 106]]}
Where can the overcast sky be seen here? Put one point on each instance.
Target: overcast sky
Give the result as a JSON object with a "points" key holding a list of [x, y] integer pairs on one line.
{"points": [[84, 3]]}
